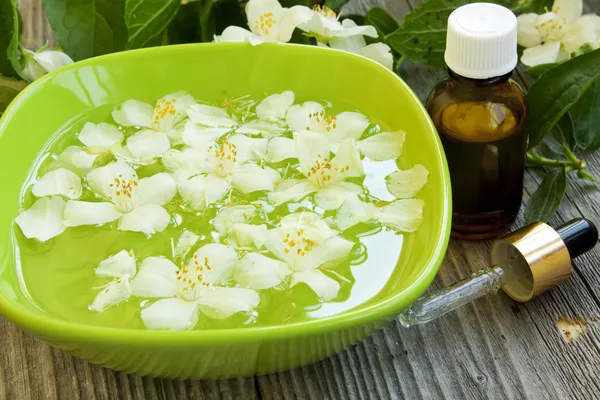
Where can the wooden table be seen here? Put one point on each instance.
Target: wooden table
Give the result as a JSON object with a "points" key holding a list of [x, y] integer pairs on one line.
{"points": [[493, 348]]}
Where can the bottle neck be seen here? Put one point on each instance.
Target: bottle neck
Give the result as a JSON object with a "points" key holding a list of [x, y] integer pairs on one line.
{"points": [[495, 80]]}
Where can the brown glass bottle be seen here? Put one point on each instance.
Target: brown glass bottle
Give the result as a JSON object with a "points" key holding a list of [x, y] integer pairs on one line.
{"points": [[481, 126]]}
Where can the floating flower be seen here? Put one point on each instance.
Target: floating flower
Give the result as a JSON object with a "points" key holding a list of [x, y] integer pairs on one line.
{"points": [[59, 182], [39, 63], [43, 220], [227, 165], [555, 35], [379, 52], [303, 243], [198, 286], [268, 22], [324, 25], [403, 215], [271, 113], [98, 139], [324, 175], [120, 267], [135, 202], [405, 184], [235, 224], [162, 123], [184, 244]]}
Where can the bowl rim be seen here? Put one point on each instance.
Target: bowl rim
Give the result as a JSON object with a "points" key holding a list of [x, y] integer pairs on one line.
{"points": [[380, 311]]}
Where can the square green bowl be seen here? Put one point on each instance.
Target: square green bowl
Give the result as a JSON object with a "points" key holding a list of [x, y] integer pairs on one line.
{"points": [[205, 70]]}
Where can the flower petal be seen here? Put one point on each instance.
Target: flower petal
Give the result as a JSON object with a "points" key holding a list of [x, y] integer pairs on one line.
{"points": [[157, 277], [201, 137], [249, 149], [234, 34], [363, 30], [402, 215], [228, 216], [173, 314], [170, 110], [311, 148], [380, 53], [567, 10], [248, 178], [528, 35], [134, 113], [256, 271], [218, 261], [383, 146], [255, 9], [349, 125], [352, 44], [347, 162], [103, 181], [406, 184], [118, 265], [293, 17], [334, 249], [221, 302], [186, 241], [100, 137], [312, 225], [266, 129], [291, 190], [77, 157], [353, 212], [298, 116], [323, 286], [331, 197], [43, 220], [148, 218], [581, 32], [156, 189], [58, 182], [546, 53], [281, 148], [112, 294], [51, 60], [210, 116], [79, 213], [147, 145], [275, 106], [246, 235], [203, 190], [185, 163]]}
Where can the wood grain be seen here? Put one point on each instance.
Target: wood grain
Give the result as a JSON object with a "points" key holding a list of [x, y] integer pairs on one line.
{"points": [[493, 348]]}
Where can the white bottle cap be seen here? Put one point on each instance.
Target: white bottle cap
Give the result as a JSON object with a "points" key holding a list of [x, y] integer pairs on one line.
{"points": [[481, 41]]}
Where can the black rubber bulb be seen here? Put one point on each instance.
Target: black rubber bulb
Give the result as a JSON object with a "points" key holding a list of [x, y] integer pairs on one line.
{"points": [[580, 236]]}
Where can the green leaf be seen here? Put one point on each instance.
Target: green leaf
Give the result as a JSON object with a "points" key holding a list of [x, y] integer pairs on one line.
{"points": [[185, 26], [87, 28], [544, 202], [208, 26], [563, 132], [10, 65], [9, 88], [586, 116], [226, 13], [147, 20], [539, 70], [382, 21], [335, 5], [555, 92], [422, 36]]}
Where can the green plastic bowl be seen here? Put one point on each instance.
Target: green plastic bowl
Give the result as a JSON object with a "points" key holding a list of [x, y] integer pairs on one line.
{"points": [[205, 70]]}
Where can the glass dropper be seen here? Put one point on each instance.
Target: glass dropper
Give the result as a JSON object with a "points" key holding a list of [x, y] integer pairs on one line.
{"points": [[524, 264]]}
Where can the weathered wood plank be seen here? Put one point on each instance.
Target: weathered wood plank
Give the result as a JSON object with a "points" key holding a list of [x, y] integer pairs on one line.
{"points": [[493, 348]]}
